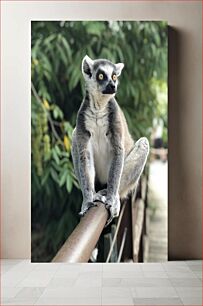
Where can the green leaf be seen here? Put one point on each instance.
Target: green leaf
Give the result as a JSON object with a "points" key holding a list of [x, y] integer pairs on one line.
{"points": [[58, 151], [55, 156], [63, 177], [76, 184], [54, 175], [95, 28], [62, 55], [45, 177], [69, 183], [66, 46]]}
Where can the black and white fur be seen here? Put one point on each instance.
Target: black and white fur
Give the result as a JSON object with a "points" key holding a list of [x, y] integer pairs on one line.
{"points": [[103, 151]]}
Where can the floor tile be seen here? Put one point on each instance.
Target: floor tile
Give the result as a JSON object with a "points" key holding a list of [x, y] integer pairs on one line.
{"points": [[122, 267], [28, 292], [9, 292], [158, 301], [15, 275], [70, 267], [175, 263], [198, 274], [73, 292], [112, 282], [91, 267], [155, 274], [69, 301], [92, 275], [170, 283], [5, 268], [153, 292], [73, 265], [37, 279], [178, 274], [117, 301], [116, 292], [89, 282], [68, 271], [189, 291], [152, 267], [176, 267], [185, 282], [4, 301], [192, 301], [196, 268], [122, 274], [147, 282], [193, 262], [22, 301], [50, 267], [61, 282]]}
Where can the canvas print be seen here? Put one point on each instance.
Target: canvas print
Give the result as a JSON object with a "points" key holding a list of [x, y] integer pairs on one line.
{"points": [[99, 141]]}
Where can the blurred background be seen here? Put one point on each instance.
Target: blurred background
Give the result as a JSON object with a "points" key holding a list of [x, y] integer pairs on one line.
{"points": [[57, 49]]}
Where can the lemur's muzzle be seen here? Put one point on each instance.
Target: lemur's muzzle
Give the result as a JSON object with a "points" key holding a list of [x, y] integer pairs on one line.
{"points": [[110, 89]]}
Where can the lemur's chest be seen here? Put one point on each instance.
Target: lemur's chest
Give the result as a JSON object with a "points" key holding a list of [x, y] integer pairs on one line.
{"points": [[100, 144]]}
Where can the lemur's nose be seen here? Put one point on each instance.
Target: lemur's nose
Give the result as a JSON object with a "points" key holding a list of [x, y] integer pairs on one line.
{"points": [[112, 86]]}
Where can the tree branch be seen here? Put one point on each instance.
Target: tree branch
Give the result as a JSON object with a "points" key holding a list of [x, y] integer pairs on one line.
{"points": [[48, 115]]}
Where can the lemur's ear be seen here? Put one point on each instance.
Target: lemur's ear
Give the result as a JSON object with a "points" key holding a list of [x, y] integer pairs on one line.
{"points": [[119, 68], [87, 64]]}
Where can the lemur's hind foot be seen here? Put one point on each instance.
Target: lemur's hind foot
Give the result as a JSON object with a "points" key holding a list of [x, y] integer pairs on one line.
{"points": [[85, 207]]}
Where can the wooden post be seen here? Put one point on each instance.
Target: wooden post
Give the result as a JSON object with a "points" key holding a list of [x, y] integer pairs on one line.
{"points": [[138, 217]]}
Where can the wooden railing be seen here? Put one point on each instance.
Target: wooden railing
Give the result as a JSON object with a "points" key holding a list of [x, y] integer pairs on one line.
{"points": [[80, 244], [128, 235]]}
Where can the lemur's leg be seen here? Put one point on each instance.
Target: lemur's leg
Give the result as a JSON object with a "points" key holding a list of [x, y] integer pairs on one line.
{"points": [[133, 166], [91, 173]]}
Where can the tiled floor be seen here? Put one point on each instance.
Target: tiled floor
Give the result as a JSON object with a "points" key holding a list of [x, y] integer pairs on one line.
{"points": [[171, 283]]}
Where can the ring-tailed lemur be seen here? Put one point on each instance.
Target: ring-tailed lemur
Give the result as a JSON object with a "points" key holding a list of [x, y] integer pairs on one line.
{"points": [[103, 150]]}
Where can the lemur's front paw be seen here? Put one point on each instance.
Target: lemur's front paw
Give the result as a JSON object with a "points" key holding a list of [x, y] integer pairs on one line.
{"points": [[113, 205], [100, 196], [85, 207]]}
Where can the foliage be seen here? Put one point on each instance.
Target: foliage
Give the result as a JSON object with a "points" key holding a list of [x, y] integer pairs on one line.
{"points": [[57, 89]]}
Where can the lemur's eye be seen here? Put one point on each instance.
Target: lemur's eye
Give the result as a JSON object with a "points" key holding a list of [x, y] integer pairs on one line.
{"points": [[101, 76], [114, 77]]}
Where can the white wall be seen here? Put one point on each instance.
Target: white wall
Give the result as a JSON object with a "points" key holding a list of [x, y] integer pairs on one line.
{"points": [[185, 156]]}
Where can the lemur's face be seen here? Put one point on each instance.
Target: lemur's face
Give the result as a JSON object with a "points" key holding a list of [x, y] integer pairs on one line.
{"points": [[101, 75]]}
